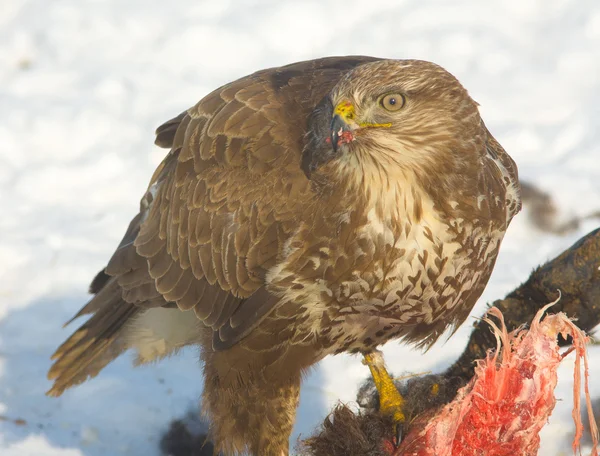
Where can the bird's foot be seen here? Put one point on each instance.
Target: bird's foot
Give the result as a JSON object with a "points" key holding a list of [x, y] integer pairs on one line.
{"points": [[391, 402]]}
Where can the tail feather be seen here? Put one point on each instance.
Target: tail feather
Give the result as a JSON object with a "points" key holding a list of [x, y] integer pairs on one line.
{"points": [[96, 343]]}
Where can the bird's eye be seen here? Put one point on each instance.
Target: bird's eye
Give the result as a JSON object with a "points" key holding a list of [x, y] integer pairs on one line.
{"points": [[392, 101]]}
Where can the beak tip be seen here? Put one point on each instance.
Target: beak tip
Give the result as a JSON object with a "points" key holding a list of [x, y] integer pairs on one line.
{"points": [[337, 129], [334, 141]]}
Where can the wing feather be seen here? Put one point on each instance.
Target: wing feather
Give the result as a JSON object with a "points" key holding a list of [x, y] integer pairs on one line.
{"points": [[221, 204], [214, 219]]}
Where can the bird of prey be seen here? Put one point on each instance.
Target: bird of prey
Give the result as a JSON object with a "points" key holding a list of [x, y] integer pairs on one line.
{"points": [[321, 207]]}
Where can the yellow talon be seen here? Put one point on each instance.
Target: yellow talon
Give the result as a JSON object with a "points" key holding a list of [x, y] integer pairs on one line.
{"points": [[390, 400]]}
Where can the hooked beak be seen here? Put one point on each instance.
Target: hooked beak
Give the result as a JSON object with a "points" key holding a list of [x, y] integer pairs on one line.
{"points": [[341, 132]]}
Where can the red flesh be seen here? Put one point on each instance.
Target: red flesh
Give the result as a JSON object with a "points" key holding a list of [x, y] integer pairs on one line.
{"points": [[504, 407]]}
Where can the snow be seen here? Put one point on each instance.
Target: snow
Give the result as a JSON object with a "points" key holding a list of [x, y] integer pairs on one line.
{"points": [[83, 84]]}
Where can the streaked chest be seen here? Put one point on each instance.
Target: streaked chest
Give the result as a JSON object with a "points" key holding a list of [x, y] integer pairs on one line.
{"points": [[416, 270], [410, 268]]}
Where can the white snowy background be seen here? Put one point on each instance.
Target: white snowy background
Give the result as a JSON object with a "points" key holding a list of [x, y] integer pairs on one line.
{"points": [[83, 84]]}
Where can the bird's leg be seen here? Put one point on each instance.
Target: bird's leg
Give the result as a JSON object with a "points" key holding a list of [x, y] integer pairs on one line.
{"points": [[390, 400], [250, 398], [255, 418], [276, 420]]}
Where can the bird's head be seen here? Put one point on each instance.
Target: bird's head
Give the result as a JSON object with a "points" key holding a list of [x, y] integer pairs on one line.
{"points": [[394, 116]]}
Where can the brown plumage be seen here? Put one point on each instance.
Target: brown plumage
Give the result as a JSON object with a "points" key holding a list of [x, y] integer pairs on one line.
{"points": [[321, 207]]}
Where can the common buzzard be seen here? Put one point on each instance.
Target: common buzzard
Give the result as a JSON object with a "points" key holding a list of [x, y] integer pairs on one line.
{"points": [[322, 207]]}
